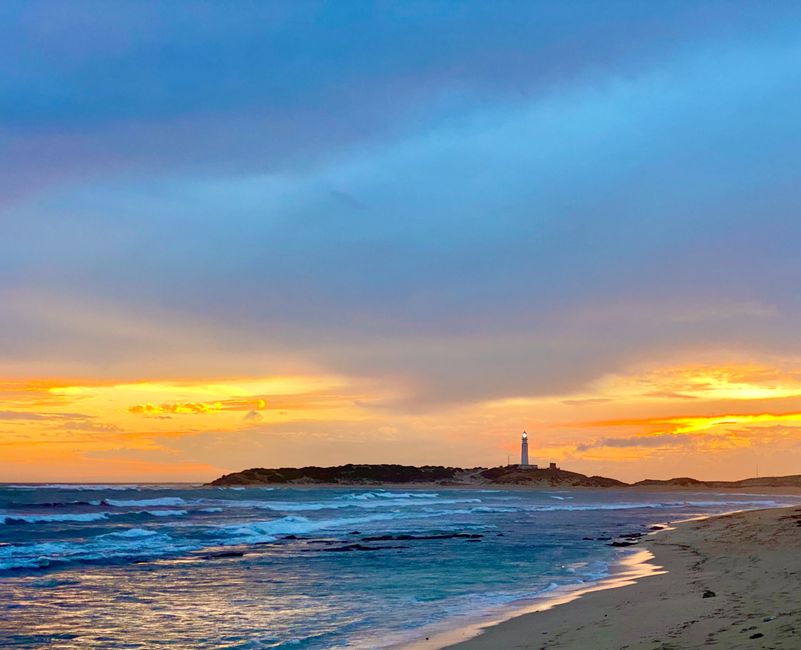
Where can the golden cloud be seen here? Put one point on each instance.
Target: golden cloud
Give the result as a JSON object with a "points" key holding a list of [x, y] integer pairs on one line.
{"points": [[197, 407]]}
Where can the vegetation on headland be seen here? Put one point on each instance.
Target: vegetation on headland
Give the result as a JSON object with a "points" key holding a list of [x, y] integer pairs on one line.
{"points": [[343, 474], [760, 482], [409, 474], [456, 476]]}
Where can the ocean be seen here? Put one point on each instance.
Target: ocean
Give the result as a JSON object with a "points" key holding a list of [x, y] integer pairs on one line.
{"points": [[181, 566]]}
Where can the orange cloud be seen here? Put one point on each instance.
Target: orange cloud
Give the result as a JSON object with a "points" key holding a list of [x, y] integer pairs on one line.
{"points": [[176, 407], [697, 423], [709, 382], [698, 434], [198, 407], [625, 417]]}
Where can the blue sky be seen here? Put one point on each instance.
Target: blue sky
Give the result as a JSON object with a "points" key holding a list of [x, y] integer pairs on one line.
{"points": [[482, 201]]}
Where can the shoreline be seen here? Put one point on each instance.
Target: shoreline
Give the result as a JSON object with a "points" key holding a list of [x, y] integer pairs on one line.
{"points": [[747, 562], [633, 565]]}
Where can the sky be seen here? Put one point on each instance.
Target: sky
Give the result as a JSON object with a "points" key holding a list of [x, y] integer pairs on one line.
{"points": [[311, 233]]}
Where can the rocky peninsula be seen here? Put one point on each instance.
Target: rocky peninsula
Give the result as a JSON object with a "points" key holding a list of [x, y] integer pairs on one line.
{"points": [[389, 474]]}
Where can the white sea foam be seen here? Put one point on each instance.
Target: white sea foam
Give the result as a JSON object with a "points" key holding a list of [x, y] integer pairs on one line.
{"points": [[595, 506], [283, 506], [267, 530], [405, 503], [12, 518], [130, 533], [164, 501], [494, 509], [489, 509], [385, 494], [705, 504], [128, 543], [388, 499], [163, 513], [239, 488], [260, 531], [42, 519], [365, 500], [30, 555]]}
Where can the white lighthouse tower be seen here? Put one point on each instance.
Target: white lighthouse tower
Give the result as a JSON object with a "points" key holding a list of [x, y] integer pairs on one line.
{"points": [[524, 451]]}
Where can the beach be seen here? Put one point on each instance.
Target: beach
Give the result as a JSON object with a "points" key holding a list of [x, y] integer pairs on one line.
{"points": [[729, 581]]}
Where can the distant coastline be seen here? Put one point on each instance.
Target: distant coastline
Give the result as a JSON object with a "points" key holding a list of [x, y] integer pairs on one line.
{"points": [[512, 475]]}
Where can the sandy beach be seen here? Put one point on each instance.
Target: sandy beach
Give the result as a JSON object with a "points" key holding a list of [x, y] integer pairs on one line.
{"points": [[732, 581]]}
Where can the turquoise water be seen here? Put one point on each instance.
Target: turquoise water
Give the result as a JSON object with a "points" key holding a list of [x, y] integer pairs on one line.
{"points": [[198, 567]]}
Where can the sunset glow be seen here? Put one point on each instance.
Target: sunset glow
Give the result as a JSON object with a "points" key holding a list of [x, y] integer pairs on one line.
{"points": [[172, 429], [350, 253]]}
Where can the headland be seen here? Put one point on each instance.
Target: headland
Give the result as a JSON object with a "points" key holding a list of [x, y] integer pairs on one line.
{"points": [[508, 475]]}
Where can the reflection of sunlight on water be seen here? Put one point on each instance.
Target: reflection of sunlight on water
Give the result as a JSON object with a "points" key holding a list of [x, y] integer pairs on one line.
{"points": [[182, 604]]}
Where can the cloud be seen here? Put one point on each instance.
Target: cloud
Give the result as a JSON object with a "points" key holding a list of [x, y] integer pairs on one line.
{"points": [[709, 433], [638, 442], [88, 425], [177, 407], [197, 407], [523, 261], [47, 417], [667, 394], [586, 401]]}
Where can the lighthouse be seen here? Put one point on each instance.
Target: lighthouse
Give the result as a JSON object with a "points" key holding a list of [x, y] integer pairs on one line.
{"points": [[524, 451]]}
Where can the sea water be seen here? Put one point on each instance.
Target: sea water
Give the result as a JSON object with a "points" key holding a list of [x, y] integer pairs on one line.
{"points": [[143, 566]]}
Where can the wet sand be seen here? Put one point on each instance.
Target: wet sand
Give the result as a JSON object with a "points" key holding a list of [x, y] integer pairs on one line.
{"points": [[732, 581]]}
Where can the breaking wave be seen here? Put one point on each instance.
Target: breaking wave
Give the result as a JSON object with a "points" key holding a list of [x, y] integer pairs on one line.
{"points": [[84, 517], [164, 501], [129, 544], [266, 531], [41, 519], [161, 513], [385, 494]]}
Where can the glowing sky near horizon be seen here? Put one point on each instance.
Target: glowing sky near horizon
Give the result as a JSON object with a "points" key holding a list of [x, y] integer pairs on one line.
{"points": [[289, 233]]}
